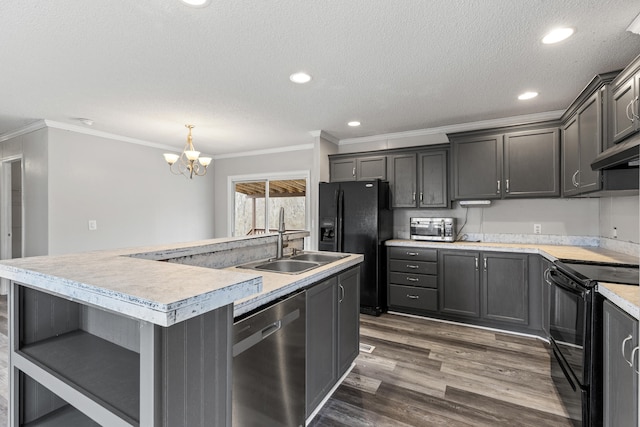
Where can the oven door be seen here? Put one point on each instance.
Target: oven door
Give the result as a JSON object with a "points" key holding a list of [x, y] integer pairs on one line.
{"points": [[569, 330]]}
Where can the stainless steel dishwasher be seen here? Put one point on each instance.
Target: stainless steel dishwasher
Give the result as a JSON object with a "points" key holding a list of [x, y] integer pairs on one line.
{"points": [[269, 365]]}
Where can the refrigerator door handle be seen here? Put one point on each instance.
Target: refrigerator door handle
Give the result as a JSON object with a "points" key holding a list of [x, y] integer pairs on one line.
{"points": [[339, 221]]}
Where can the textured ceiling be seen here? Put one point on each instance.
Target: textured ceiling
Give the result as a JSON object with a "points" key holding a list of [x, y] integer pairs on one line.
{"points": [[143, 69]]}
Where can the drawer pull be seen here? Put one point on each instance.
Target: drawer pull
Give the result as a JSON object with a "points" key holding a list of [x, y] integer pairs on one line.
{"points": [[413, 279], [413, 253], [415, 267], [413, 296]]}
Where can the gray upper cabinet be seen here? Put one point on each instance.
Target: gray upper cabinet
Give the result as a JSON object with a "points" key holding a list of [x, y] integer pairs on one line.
{"points": [[532, 164], [432, 179], [419, 179], [403, 180], [510, 165], [358, 168], [477, 167], [581, 143], [624, 110], [620, 378]]}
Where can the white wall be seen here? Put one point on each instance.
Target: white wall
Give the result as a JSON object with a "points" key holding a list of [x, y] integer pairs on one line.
{"points": [[32, 147], [621, 213], [570, 217], [265, 164], [128, 189]]}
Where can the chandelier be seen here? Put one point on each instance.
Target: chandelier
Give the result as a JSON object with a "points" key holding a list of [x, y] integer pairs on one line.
{"points": [[189, 163]]}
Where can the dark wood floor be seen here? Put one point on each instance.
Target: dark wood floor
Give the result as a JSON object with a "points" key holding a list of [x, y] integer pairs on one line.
{"points": [[428, 373], [425, 373]]}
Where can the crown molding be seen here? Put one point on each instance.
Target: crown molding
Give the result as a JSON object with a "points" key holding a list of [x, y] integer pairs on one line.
{"points": [[634, 27], [107, 135], [265, 151], [462, 127], [324, 135], [31, 127]]}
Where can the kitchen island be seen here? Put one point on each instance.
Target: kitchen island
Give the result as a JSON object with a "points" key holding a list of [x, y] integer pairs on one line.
{"points": [[136, 336]]}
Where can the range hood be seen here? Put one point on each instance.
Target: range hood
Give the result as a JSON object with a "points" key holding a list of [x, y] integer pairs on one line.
{"points": [[620, 155]]}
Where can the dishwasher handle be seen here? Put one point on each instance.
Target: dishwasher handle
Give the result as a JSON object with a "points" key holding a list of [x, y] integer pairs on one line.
{"points": [[264, 333]]}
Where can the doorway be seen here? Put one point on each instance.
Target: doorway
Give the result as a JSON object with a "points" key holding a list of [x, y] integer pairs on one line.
{"points": [[11, 213]]}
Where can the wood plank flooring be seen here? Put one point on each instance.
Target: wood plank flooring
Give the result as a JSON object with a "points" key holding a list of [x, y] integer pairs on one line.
{"points": [[429, 373], [425, 373]]}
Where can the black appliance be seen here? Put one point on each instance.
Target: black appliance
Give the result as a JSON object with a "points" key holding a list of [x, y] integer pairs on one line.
{"points": [[354, 217], [575, 333]]}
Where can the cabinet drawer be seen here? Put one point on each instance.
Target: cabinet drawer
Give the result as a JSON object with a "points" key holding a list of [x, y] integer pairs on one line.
{"points": [[411, 266], [417, 254], [409, 279], [411, 297]]}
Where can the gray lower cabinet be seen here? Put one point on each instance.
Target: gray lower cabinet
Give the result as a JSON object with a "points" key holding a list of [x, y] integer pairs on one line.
{"points": [[620, 367], [460, 283], [333, 333], [505, 287], [493, 286], [322, 345], [545, 285], [348, 318], [412, 279]]}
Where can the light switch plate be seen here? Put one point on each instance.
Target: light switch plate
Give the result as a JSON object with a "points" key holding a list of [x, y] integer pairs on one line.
{"points": [[93, 225], [537, 228]]}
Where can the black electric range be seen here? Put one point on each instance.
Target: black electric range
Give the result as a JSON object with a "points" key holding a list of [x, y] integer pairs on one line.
{"points": [[626, 274]]}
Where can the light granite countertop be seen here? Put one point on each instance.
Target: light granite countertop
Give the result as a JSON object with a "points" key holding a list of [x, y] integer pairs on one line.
{"points": [[627, 297], [275, 285]]}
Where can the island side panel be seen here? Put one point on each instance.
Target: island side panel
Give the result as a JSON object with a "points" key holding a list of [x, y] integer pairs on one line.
{"points": [[186, 371]]}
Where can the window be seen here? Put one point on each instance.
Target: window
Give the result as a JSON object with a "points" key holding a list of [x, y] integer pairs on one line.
{"points": [[257, 202]]}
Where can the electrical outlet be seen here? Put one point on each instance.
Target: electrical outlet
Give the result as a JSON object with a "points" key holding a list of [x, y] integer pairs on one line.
{"points": [[537, 228], [615, 233], [93, 225]]}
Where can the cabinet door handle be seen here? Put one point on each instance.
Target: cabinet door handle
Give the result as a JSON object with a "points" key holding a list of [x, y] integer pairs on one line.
{"points": [[626, 111], [574, 178], [342, 294], [485, 264], [476, 258], [507, 186], [633, 358], [624, 343], [415, 267], [413, 196], [354, 172], [412, 279], [634, 114], [421, 197], [498, 190], [413, 296], [413, 253]]}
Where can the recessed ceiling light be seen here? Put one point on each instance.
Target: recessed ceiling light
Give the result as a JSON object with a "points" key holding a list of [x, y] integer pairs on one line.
{"points": [[527, 95], [354, 123], [196, 3], [300, 77], [557, 35]]}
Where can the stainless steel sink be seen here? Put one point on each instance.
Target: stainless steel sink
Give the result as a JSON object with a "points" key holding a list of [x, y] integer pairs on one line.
{"points": [[315, 257], [295, 264], [287, 266]]}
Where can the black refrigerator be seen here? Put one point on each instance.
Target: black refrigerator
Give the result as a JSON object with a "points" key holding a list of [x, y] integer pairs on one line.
{"points": [[355, 217]]}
